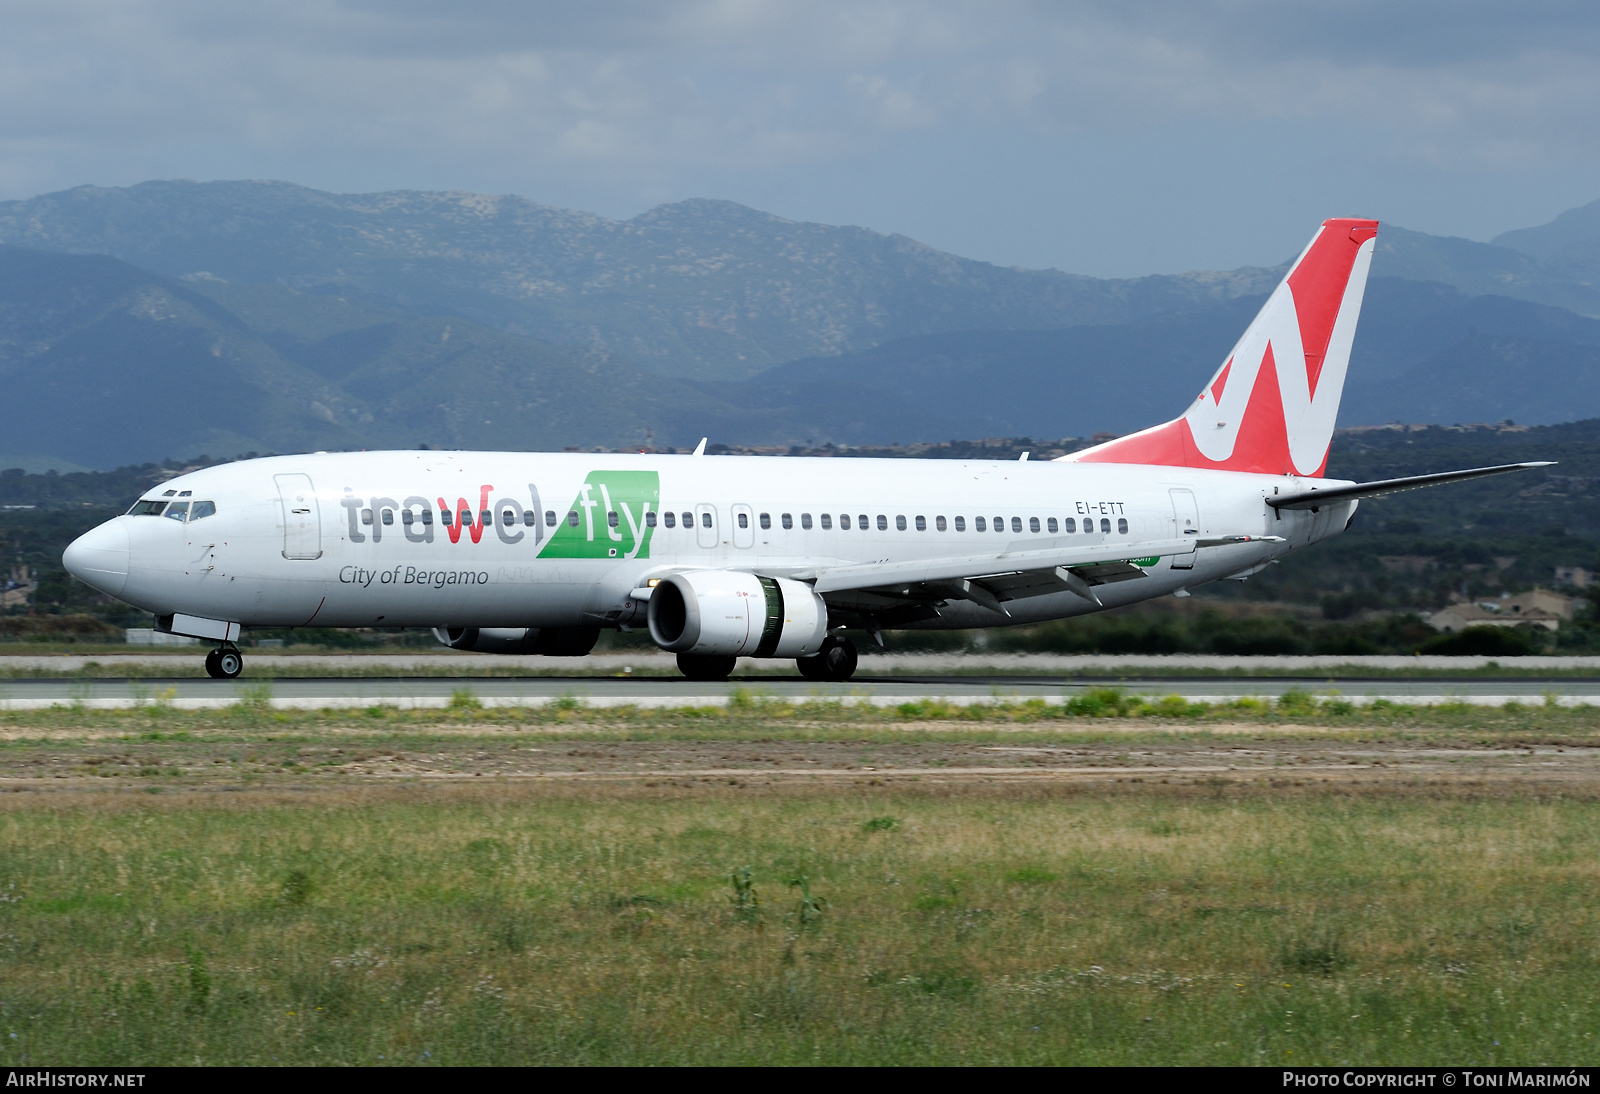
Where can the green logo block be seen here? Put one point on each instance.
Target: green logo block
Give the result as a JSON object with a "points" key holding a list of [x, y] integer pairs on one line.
{"points": [[611, 509]]}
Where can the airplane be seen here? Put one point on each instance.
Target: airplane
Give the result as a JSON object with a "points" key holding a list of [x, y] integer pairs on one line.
{"points": [[721, 557]]}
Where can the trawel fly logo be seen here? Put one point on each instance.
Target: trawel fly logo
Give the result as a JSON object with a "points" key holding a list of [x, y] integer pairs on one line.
{"points": [[474, 528], [613, 516]]}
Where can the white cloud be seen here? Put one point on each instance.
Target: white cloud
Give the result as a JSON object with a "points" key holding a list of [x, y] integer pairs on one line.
{"points": [[580, 82], [629, 99]]}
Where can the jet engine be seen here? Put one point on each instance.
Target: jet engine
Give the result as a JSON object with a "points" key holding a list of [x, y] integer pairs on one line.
{"points": [[550, 641], [722, 613]]}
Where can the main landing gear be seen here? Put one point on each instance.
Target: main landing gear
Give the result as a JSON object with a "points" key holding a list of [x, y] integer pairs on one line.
{"points": [[835, 661], [703, 666], [225, 662]]}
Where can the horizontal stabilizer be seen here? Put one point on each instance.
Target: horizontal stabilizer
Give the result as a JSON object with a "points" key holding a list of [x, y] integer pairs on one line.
{"points": [[1316, 499]]}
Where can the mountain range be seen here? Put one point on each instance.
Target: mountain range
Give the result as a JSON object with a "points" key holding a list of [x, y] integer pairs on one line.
{"points": [[173, 318]]}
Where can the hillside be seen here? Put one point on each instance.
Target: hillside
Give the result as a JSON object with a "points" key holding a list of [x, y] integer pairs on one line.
{"points": [[104, 364], [701, 289], [1424, 353], [264, 316]]}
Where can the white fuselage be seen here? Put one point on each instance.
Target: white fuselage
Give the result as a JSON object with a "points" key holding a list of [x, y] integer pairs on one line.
{"points": [[341, 539]]}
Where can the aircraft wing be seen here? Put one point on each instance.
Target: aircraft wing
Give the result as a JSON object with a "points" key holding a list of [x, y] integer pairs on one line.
{"points": [[1315, 499], [993, 579]]}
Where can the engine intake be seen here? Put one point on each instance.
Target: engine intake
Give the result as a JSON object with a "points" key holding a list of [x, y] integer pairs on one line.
{"points": [[725, 613], [549, 641]]}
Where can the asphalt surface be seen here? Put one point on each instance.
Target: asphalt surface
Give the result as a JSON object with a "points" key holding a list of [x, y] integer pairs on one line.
{"points": [[656, 691], [401, 661]]}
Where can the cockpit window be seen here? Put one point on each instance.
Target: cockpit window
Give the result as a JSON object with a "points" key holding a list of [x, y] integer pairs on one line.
{"points": [[150, 508], [201, 509], [178, 510]]}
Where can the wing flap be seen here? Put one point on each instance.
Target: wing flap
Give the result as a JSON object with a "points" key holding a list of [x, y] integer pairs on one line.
{"points": [[984, 567]]}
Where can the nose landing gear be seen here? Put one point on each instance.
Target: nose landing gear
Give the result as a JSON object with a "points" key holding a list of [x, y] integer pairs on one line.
{"points": [[225, 662]]}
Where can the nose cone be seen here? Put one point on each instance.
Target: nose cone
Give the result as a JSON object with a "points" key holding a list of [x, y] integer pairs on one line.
{"points": [[99, 557]]}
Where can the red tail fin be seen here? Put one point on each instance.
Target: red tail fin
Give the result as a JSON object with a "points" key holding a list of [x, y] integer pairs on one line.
{"points": [[1271, 406]]}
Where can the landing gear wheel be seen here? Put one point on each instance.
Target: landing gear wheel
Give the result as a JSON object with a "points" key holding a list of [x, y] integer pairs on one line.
{"points": [[835, 661], [225, 663], [699, 666]]}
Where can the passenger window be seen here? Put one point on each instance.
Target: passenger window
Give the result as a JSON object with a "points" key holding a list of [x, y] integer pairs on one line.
{"points": [[861, 521], [766, 521], [1122, 525], [1105, 525], [366, 515], [788, 520], [961, 524], [688, 520], [612, 519], [979, 525], [844, 521], [922, 524], [1033, 524], [572, 518], [178, 510], [1016, 524], [1069, 525], [899, 523], [484, 518], [671, 519], [649, 520], [388, 514], [445, 518], [744, 520], [938, 522], [805, 521], [705, 520], [999, 524], [883, 522], [150, 508], [529, 518], [550, 518], [407, 517], [427, 516], [1051, 524]]}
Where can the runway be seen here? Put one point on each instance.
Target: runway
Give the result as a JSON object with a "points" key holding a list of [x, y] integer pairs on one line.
{"points": [[421, 692]]}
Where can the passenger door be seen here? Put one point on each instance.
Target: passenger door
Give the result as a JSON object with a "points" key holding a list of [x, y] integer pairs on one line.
{"points": [[705, 525], [1186, 520], [744, 526], [302, 523]]}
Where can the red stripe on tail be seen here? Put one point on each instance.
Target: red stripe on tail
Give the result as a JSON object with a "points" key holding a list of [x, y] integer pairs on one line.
{"points": [[1260, 412]]}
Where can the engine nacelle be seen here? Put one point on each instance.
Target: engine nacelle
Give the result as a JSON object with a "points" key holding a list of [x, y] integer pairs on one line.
{"points": [[549, 641], [723, 613]]}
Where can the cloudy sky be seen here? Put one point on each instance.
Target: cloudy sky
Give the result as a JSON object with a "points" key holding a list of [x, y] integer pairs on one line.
{"points": [[1110, 138]]}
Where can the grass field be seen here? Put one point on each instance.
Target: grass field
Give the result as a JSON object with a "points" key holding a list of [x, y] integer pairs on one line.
{"points": [[1399, 887]]}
